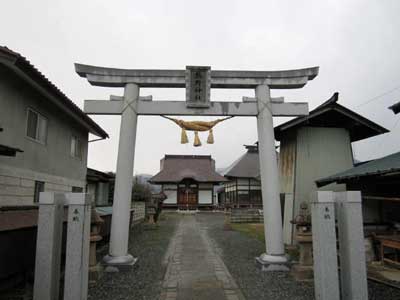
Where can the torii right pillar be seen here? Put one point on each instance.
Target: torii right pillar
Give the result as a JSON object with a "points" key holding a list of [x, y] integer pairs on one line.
{"points": [[274, 259]]}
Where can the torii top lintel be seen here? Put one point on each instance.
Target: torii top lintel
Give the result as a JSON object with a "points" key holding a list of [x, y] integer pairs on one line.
{"points": [[112, 77]]}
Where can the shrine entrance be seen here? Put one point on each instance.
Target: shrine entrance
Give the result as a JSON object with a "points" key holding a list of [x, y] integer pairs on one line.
{"points": [[198, 82], [188, 195]]}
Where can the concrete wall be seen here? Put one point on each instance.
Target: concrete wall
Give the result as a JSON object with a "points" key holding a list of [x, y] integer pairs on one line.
{"points": [[320, 152], [50, 162]]}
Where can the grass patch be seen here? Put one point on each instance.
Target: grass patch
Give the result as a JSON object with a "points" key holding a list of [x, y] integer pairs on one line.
{"points": [[254, 230]]}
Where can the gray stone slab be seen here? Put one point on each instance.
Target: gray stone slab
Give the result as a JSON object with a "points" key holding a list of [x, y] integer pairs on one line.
{"points": [[77, 254], [326, 279], [48, 247], [351, 246]]}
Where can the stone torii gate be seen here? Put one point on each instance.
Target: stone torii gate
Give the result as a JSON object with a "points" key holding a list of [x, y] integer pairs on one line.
{"points": [[198, 81]]}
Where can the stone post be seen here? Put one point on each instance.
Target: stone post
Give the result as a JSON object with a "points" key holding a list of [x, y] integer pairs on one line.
{"points": [[326, 280], [118, 251], [77, 254], [353, 273], [274, 259], [48, 246]]}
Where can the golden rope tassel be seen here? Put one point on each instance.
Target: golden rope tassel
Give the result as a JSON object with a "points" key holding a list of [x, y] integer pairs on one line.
{"points": [[210, 139], [184, 137], [197, 142], [196, 126]]}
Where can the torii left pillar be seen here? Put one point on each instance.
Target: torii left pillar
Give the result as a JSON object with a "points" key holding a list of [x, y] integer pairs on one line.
{"points": [[118, 251]]}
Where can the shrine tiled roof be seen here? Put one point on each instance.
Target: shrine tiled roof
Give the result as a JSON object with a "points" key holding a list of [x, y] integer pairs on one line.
{"points": [[246, 166], [175, 168]]}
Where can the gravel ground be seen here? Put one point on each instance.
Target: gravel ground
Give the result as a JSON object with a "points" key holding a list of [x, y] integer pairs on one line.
{"points": [[238, 252], [145, 279]]}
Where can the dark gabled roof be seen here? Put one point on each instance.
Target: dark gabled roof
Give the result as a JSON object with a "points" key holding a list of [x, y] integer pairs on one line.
{"points": [[247, 166], [395, 107], [332, 114], [382, 166], [23, 68], [178, 167], [95, 175]]}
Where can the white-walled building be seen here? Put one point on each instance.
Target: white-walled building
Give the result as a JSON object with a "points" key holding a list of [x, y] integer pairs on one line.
{"points": [[188, 181], [316, 146], [47, 127]]}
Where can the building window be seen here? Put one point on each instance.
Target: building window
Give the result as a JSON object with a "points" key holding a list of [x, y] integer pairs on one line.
{"points": [[76, 147], [36, 126], [77, 189], [39, 187]]}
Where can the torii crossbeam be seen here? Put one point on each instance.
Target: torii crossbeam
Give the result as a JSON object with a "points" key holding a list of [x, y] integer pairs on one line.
{"points": [[198, 81]]}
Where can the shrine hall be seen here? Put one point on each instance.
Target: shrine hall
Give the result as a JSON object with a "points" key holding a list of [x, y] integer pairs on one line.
{"points": [[188, 181]]}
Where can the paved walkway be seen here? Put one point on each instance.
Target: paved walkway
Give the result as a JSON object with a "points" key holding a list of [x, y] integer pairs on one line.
{"points": [[195, 271]]}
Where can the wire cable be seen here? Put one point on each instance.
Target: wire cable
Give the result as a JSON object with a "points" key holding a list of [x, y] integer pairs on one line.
{"points": [[377, 97]]}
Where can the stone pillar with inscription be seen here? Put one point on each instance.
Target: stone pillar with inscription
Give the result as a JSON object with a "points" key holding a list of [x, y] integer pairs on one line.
{"points": [[326, 278]]}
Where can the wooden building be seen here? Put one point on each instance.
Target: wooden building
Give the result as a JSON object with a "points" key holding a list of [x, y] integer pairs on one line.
{"points": [[243, 188], [316, 146], [98, 185], [378, 180], [188, 181]]}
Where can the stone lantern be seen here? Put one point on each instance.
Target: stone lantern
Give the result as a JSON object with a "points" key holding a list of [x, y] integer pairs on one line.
{"points": [[303, 271], [95, 225], [154, 207]]}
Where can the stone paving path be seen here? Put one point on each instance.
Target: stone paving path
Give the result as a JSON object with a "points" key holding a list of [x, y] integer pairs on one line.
{"points": [[195, 271]]}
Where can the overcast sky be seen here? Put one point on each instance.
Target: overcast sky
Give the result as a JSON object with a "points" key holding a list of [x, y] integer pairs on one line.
{"points": [[355, 43]]}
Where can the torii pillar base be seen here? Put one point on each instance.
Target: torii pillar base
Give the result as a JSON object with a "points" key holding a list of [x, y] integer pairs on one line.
{"points": [[119, 263], [270, 263]]}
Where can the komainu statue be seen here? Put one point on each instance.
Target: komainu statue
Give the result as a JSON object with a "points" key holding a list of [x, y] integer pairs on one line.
{"points": [[196, 126]]}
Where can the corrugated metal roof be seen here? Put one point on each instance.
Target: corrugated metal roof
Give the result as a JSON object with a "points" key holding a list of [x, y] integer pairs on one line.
{"points": [[332, 114], [384, 165], [178, 167], [19, 63], [104, 210], [96, 175]]}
